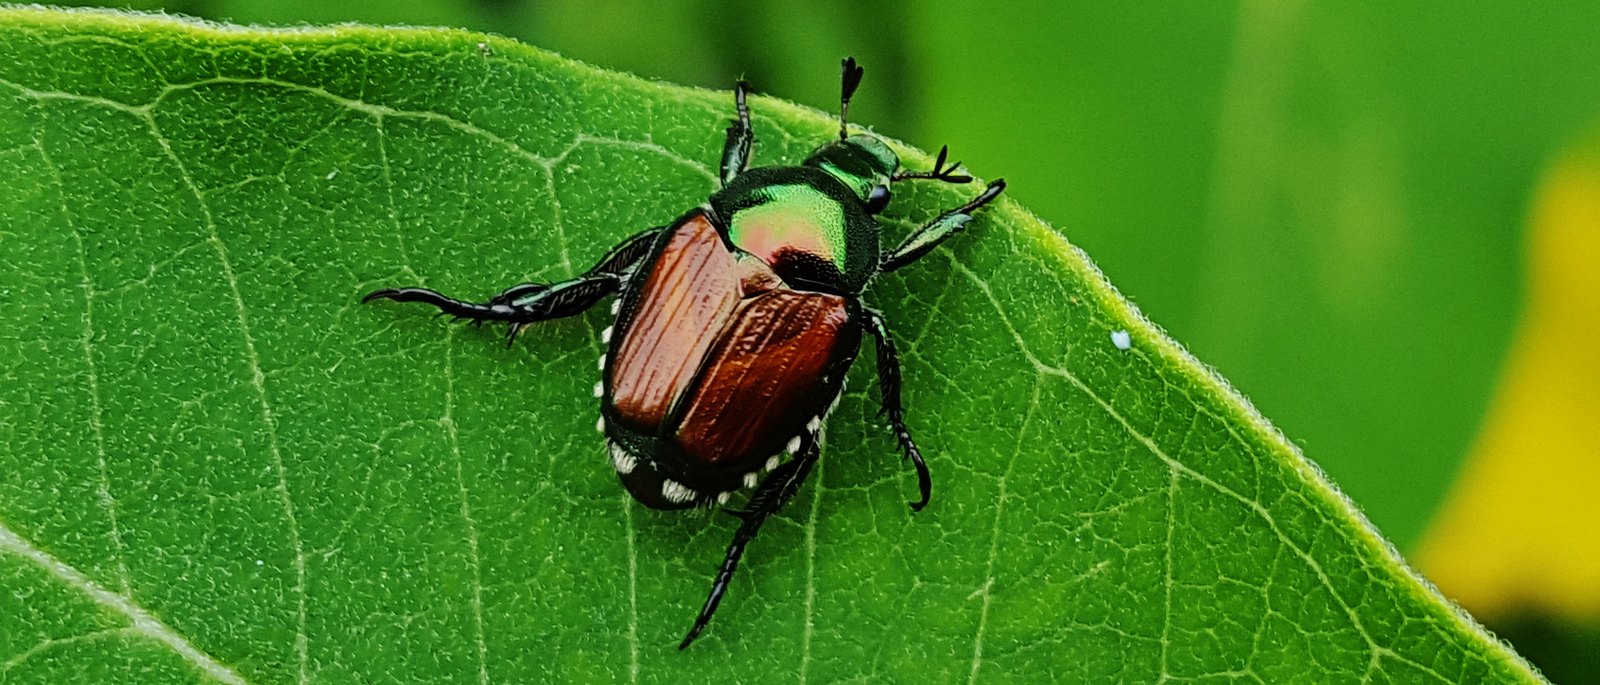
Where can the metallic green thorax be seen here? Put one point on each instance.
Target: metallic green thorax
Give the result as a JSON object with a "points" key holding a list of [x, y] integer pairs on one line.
{"points": [[811, 223], [794, 217]]}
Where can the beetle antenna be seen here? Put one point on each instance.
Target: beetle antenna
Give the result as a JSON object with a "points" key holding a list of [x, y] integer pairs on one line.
{"points": [[940, 171], [850, 79]]}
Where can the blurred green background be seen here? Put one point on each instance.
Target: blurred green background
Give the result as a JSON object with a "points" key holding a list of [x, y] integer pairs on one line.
{"points": [[1329, 202]]}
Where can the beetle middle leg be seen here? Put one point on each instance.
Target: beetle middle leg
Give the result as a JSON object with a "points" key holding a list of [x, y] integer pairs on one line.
{"points": [[889, 386], [940, 229], [778, 488]]}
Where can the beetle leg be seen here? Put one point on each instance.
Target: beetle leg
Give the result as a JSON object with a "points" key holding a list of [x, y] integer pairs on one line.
{"points": [[517, 292], [889, 386], [622, 258], [526, 303], [535, 304], [940, 172], [940, 229], [781, 485], [741, 137], [617, 262]]}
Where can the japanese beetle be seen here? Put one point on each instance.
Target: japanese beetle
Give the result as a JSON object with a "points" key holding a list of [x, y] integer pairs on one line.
{"points": [[736, 324]]}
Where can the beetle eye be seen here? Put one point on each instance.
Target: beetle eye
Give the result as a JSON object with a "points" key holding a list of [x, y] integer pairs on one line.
{"points": [[878, 199]]}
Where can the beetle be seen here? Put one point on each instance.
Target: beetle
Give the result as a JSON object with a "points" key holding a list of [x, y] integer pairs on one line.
{"points": [[735, 324]]}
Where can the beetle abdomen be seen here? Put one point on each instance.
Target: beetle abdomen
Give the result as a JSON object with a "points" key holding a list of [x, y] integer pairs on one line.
{"points": [[684, 304]]}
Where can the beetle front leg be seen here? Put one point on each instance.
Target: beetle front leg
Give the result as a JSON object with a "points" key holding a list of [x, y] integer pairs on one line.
{"points": [[940, 229], [889, 386], [741, 138], [773, 492]]}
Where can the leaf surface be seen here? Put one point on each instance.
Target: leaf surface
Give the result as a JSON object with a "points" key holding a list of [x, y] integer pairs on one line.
{"points": [[220, 466]]}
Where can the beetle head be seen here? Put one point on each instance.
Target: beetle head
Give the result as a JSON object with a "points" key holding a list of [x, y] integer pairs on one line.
{"points": [[863, 163]]}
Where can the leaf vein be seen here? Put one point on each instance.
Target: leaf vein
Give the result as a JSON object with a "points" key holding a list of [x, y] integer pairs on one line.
{"points": [[119, 551], [809, 626], [144, 623], [994, 535], [49, 643], [258, 384], [633, 589], [1375, 650], [1166, 611], [449, 423]]}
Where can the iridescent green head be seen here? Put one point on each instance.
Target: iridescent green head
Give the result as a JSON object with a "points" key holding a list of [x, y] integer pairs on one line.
{"points": [[863, 163]]}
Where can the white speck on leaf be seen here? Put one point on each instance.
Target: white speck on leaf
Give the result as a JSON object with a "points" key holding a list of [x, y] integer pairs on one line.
{"points": [[1121, 339]]}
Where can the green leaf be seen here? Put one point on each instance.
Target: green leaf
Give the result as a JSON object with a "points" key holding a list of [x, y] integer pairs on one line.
{"points": [[221, 466], [1324, 200]]}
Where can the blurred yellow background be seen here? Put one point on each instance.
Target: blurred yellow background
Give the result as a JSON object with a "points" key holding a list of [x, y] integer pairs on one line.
{"points": [[1516, 538], [1380, 221]]}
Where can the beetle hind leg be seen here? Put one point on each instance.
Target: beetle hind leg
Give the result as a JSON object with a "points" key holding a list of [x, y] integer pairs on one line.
{"points": [[778, 488], [518, 306], [527, 303], [889, 385]]}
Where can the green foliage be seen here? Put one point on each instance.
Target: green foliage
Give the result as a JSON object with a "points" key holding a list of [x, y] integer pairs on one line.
{"points": [[219, 465], [1324, 199]]}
